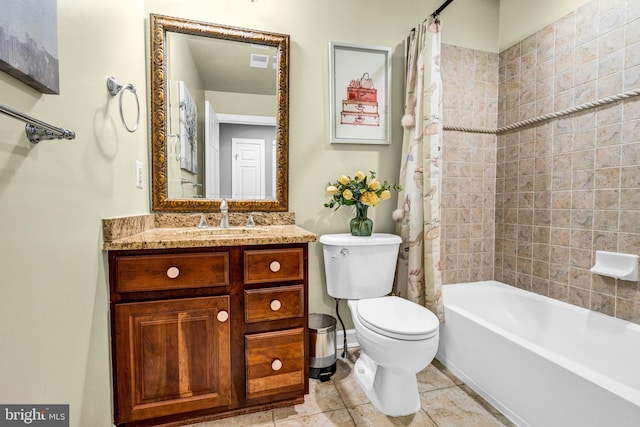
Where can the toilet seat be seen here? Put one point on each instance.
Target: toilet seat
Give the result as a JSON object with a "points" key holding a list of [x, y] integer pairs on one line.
{"points": [[398, 318]]}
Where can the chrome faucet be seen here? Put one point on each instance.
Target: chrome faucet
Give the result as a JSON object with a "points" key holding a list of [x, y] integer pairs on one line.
{"points": [[203, 221], [224, 210], [250, 222]]}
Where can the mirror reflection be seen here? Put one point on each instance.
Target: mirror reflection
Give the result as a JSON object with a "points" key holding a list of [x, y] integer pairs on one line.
{"points": [[219, 116], [222, 118]]}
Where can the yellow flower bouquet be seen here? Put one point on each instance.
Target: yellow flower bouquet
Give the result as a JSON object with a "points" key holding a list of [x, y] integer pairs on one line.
{"points": [[360, 191]]}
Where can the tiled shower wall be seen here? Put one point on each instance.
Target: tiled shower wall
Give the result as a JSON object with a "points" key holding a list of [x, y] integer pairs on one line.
{"points": [[570, 186], [470, 82], [547, 196]]}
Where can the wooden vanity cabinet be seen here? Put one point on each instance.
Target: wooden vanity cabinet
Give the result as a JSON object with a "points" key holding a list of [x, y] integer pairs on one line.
{"points": [[205, 333]]}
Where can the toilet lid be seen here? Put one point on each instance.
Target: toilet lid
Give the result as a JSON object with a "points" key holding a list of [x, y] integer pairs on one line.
{"points": [[398, 318]]}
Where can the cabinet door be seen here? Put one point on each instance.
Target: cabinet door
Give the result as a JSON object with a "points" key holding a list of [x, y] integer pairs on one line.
{"points": [[172, 357]]}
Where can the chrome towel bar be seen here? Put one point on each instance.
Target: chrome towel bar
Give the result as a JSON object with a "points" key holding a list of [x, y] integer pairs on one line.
{"points": [[38, 130]]}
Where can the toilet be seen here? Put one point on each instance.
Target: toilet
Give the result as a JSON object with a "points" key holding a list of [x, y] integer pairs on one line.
{"points": [[398, 338]]}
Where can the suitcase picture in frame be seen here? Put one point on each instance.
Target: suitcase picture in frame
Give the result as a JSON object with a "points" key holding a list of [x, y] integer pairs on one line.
{"points": [[361, 106]]}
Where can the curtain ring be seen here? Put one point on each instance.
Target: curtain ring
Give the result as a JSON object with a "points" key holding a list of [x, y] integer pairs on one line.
{"points": [[116, 88]]}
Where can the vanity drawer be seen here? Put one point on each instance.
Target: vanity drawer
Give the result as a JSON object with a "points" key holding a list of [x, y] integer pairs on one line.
{"points": [[274, 362], [171, 271], [273, 265], [273, 303]]}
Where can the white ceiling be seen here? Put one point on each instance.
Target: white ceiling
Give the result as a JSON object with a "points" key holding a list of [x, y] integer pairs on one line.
{"points": [[224, 66]]}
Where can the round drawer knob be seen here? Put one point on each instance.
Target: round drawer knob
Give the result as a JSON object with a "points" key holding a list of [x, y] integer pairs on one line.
{"points": [[222, 316], [276, 365], [274, 266], [173, 272], [275, 305]]}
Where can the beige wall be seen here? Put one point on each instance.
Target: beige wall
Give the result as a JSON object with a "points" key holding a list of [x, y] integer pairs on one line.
{"points": [[243, 103], [568, 187], [478, 18], [182, 69], [54, 312], [54, 316], [470, 98], [565, 188], [520, 18], [309, 127]]}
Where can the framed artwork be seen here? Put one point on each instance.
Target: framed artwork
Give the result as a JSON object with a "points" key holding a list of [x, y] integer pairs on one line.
{"points": [[188, 130], [360, 93], [29, 43]]}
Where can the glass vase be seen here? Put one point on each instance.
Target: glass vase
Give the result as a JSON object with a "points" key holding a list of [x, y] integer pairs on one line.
{"points": [[361, 225]]}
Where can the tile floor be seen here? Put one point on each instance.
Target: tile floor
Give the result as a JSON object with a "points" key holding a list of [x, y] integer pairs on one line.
{"points": [[446, 402]]}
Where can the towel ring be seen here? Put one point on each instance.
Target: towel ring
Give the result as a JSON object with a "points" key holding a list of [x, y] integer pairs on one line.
{"points": [[116, 88]]}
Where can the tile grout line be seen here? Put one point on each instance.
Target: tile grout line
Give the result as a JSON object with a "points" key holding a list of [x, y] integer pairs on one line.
{"points": [[344, 404]]}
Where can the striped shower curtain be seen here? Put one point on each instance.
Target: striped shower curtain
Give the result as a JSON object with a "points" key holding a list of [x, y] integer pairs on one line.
{"points": [[418, 277]]}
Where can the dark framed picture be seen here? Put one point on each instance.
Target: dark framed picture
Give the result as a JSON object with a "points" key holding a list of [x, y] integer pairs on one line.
{"points": [[29, 43]]}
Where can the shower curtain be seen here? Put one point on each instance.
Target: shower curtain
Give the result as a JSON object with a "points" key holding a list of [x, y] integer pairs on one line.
{"points": [[418, 277]]}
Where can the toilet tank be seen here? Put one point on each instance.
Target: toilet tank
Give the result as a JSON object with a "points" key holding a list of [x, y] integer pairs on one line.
{"points": [[359, 267]]}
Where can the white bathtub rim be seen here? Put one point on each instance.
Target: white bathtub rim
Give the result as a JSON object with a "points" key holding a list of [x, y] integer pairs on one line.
{"points": [[516, 290], [622, 390]]}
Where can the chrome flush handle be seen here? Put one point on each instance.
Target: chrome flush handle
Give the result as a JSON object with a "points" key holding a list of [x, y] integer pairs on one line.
{"points": [[343, 253]]}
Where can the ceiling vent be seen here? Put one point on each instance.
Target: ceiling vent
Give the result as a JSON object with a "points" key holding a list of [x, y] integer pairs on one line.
{"points": [[259, 61]]}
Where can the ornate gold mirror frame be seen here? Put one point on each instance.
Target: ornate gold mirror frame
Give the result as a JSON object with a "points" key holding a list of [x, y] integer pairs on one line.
{"points": [[160, 25]]}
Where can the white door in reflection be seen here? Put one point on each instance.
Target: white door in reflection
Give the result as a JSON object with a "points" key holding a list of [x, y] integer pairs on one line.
{"points": [[212, 152], [248, 168], [274, 167]]}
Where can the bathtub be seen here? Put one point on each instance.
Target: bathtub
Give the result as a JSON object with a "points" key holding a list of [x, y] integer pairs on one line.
{"points": [[540, 361]]}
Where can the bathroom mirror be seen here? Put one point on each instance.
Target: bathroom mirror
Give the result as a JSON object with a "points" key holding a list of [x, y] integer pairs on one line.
{"points": [[219, 117]]}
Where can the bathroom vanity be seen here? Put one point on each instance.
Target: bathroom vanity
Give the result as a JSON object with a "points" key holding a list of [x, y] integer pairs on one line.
{"points": [[207, 323]]}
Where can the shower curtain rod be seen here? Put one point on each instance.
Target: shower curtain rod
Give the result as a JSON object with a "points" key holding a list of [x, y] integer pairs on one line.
{"points": [[441, 8]]}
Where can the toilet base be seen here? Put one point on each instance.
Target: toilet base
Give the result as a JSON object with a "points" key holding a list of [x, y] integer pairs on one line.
{"points": [[393, 393]]}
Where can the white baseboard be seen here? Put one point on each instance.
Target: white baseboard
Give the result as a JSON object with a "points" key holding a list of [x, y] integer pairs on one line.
{"points": [[352, 341]]}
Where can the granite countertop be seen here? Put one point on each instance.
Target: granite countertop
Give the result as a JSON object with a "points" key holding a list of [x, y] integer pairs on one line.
{"points": [[179, 231]]}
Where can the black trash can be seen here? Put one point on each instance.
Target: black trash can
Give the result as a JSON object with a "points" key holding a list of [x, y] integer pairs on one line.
{"points": [[322, 346]]}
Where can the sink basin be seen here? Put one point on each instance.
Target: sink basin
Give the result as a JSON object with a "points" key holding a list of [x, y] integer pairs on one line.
{"points": [[217, 231]]}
